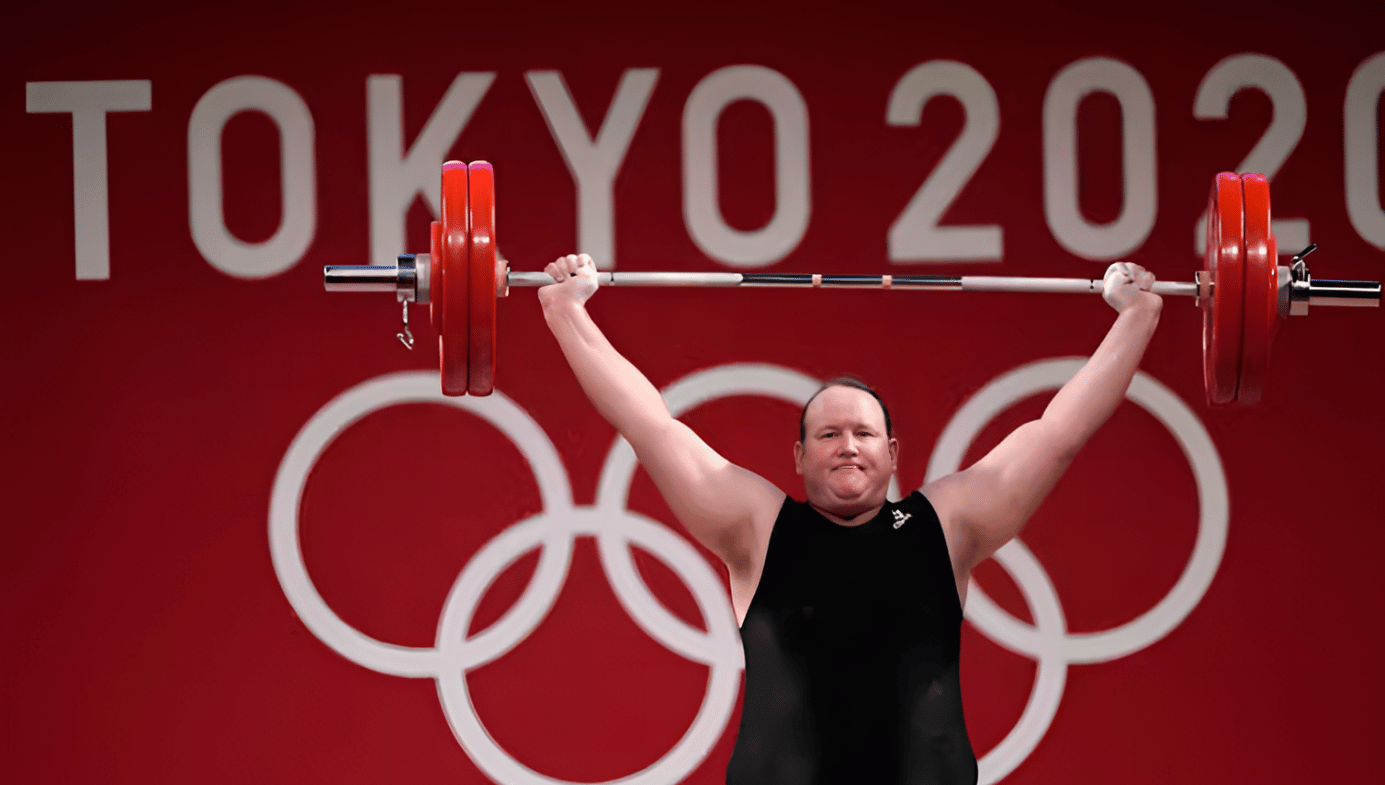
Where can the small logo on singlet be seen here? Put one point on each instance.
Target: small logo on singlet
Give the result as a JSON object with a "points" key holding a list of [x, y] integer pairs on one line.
{"points": [[900, 518]]}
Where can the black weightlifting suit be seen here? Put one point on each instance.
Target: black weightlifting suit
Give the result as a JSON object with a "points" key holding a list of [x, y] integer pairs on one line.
{"points": [[851, 647]]}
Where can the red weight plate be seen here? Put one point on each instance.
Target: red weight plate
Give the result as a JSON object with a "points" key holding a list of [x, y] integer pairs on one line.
{"points": [[1261, 289], [1272, 295], [456, 252], [435, 277], [1221, 323], [482, 320]]}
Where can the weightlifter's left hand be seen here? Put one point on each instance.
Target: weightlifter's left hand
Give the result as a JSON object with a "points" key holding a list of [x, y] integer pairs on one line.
{"points": [[1128, 285]]}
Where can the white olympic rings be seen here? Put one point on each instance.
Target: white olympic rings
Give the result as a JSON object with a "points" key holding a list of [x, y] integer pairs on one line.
{"points": [[616, 528]]}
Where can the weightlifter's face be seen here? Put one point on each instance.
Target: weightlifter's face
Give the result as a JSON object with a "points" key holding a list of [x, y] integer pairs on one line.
{"points": [[846, 458]]}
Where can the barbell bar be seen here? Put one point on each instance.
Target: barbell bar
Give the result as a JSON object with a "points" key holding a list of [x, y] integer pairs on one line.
{"points": [[1243, 293]]}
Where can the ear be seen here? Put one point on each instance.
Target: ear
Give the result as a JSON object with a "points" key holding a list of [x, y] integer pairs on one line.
{"points": [[894, 455], [798, 457]]}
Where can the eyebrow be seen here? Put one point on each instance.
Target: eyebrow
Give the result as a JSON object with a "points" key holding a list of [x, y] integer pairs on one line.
{"points": [[859, 426]]}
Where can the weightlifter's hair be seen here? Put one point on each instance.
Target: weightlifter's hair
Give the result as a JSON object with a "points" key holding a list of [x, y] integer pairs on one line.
{"points": [[855, 384]]}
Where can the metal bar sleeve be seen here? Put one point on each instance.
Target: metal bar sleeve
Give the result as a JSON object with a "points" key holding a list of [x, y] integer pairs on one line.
{"points": [[362, 278], [1359, 294]]}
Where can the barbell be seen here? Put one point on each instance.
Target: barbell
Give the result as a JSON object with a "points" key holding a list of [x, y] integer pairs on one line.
{"points": [[1243, 292]]}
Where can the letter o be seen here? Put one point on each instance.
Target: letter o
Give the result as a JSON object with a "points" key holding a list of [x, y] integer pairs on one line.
{"points": [[297, 180], [701, 201]]}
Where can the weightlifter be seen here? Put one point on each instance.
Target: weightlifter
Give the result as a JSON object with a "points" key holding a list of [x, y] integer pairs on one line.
{"points": [[850, 606]]}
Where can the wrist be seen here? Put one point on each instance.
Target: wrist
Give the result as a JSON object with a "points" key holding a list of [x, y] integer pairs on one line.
{"points": [[1145, 304], [555, 302]]}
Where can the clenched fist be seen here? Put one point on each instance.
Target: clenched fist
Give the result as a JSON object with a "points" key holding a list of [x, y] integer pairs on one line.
{"points": [[1127, 284], [574, 279]]}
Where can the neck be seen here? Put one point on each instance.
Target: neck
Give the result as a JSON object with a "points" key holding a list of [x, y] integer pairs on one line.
{"points": [[854, 520]]}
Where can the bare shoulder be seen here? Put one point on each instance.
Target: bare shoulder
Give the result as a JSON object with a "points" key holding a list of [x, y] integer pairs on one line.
{"points": [[949, 495], [762, 500], [747, 548], [985, 505], [726, 507]]}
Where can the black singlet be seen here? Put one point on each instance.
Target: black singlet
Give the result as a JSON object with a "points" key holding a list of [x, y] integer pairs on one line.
{"points": [[851, 652]]}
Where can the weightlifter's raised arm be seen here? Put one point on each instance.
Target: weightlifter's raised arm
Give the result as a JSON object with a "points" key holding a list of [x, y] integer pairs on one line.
{"points": [[985, 506], [728, 509]]}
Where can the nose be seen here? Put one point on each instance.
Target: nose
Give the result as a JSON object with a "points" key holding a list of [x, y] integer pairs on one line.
{"points": [[849, 445]]}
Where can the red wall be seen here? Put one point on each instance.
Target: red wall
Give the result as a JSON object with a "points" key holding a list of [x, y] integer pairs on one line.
{"points": [[160, 412]]}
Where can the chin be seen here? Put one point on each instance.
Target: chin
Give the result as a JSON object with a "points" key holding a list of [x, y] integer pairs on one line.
{"points": [[839, 491], [855, 496], [851, 483], [858, 494], [852, 499]]}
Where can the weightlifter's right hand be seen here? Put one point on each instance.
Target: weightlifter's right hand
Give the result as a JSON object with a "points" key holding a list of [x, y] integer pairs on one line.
{"points": [[574, 280]]}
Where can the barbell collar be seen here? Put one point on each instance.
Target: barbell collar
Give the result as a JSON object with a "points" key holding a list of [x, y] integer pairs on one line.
{"points": [[423, 279], [405, 279]]}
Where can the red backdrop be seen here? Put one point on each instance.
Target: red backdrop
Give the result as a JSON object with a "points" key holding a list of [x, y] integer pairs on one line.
{"points": [[153, 391]]}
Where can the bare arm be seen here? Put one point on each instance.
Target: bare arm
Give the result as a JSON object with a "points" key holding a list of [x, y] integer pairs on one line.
{"points": [[726, 508], [986, 505]]}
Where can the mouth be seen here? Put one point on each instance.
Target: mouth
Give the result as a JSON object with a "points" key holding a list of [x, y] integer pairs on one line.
{"points": [[847, 466]]}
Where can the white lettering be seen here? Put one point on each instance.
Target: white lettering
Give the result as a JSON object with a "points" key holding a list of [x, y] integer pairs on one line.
{"points": [[915, 235], [594, 163], [1275, 80], [1362, 149], [701, 206], [1070, 228], [397, 176], [88, 102], [298, 178]]}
